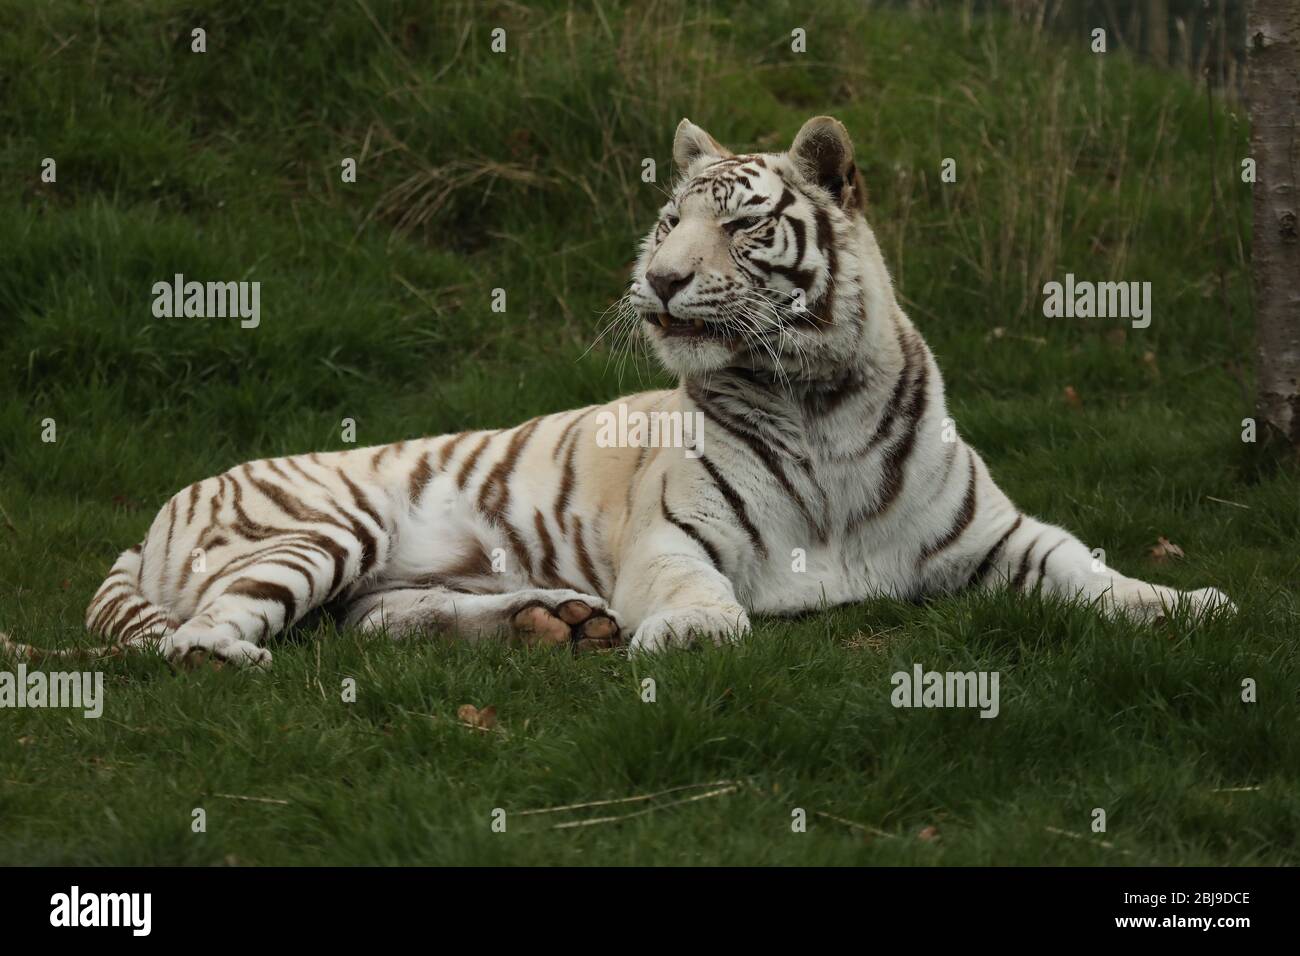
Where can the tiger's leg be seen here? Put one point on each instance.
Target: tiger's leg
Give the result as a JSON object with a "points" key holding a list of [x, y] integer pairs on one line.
{"points": [[673, 588], [242, 607], [539, 616], [1029, 553]]}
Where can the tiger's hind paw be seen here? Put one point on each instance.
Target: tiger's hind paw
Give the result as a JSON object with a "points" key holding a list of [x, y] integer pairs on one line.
{"points": [[583, 622], [193, 652]]}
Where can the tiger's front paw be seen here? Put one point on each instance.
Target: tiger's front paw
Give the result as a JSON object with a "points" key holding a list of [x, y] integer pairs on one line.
{"points": [[681, 626]]}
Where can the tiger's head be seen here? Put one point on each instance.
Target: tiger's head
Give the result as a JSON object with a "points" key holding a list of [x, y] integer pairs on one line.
{"points": [[760, 261]]}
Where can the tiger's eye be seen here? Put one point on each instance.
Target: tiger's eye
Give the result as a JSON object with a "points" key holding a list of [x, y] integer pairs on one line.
{"points": [[748, 222]]}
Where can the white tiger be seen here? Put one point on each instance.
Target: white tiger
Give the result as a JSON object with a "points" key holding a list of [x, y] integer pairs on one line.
{"points": [[762, 287]]}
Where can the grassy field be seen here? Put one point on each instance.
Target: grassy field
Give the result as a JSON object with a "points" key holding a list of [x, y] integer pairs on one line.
{"points": [[521, 171]]}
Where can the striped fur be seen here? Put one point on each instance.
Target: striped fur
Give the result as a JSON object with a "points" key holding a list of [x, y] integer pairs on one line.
{"points": [[823, 476]]}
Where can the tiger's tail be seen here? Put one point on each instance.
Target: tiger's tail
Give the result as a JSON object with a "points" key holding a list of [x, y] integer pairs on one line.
{"points": [[36, 655], [119, 612]]}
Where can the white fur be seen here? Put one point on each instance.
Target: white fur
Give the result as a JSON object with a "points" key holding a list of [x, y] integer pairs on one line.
{"points": [[790, 507]]}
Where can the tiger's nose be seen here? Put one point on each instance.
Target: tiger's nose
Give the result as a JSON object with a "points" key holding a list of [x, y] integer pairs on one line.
{"points": [[667, 285]]}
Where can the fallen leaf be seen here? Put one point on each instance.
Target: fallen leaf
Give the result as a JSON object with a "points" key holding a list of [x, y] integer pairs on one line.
{"points": [[1149, 360], [484, 719], [1072, 397], [1165, 549], [928, 834]]}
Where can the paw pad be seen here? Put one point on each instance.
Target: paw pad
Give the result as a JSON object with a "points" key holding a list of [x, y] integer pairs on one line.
{"points": [[575, 623]]}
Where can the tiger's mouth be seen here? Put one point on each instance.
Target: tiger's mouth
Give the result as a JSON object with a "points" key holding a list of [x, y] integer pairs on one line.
{"points": [[674, 327]]}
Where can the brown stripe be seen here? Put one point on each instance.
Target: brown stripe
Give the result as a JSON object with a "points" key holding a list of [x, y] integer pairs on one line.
{"points": [[584, 558], [1042, 565], [895, 458], [688, 529], [113, 587], [277, 470], [362, 501], [293, 463], [987, 564], [339, 555], [567, 478], [886, 422], [555, 452], [104, 615], [737, 505], [118, 626], [763, 453], [242, 561], [517, 544], [266, 591], [472, 460], [187, 565], [148, 621], [304, 570], [244, 526], [215, 502], [378, 457], [1023, 570], [828, 400], [421, 474], [550, 573], [497, 482], [445, 453], [310, 540], [825, 311], [964, 515], [477, 563], [194, 501], [288, 504], [167, 545]]}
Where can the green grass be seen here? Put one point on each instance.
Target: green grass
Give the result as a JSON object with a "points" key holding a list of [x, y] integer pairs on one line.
{"points": [[521, 171]]}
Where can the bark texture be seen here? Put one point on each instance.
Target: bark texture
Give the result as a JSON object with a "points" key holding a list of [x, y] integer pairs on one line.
{"points": [[1273, 91]]}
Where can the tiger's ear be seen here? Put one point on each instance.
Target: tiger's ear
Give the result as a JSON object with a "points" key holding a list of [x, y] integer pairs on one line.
{"points": [[690, 143], [823, 154]]}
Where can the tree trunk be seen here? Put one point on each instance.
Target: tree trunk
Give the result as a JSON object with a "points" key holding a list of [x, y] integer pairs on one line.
{"points": [[1273, 91]]}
